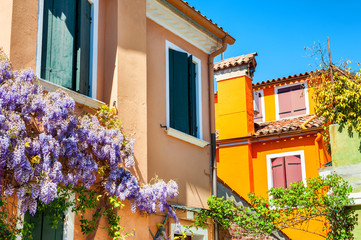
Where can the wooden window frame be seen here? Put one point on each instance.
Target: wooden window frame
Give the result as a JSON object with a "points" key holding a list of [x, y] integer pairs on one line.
{"points": [[262, 102], [305, 92], [197, 62], [93, 45], [269, 158]]}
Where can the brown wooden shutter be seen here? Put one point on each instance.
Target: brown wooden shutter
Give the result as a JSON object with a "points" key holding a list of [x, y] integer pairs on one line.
{"points": [[293, 169], [278, 172]]}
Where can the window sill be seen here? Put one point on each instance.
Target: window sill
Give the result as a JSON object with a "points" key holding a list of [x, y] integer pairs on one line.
{"points": [[186, 137], [78, 98]]}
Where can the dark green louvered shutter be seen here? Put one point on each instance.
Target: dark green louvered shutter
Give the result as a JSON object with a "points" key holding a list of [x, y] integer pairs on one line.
{"points": [[83, 46], [43, 228], [37, 221], [178, 90], [192, 94], [59, 25]]}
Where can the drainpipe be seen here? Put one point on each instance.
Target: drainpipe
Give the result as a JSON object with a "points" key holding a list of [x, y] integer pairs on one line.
{"points": [[212, 124]]}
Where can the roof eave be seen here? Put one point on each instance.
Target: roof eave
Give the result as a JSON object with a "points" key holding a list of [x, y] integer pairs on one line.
{"points": [[202, 20]]}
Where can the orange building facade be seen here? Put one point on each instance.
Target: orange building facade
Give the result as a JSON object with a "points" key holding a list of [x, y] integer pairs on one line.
{"points": [[268, 135]]}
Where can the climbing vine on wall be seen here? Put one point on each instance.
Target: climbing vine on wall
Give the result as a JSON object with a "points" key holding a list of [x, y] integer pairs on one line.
{"points": [[322, 200], [48, 154]]}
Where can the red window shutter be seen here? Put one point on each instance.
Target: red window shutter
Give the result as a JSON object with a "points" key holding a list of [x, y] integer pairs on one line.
{"points": [[284, 102], [298, 100], [293, 169], [278, 172], [258, 117]]}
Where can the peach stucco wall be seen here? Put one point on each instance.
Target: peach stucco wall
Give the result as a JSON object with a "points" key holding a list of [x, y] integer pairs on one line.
{"points": [[131, 73], [171, 158], [6, 10]]}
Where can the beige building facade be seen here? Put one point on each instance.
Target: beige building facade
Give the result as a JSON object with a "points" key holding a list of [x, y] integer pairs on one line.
{"points": [[131, 47]]}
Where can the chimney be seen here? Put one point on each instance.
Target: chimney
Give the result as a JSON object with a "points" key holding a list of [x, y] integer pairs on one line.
{"points": [[235, 107]]}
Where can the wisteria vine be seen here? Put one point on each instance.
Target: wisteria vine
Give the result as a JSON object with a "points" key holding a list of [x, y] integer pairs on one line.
{"points": [[44, 146]]}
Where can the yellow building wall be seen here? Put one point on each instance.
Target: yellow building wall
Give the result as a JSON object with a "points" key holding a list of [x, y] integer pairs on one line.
{"points": [[244, 167], [270, 101], [234, 110]]}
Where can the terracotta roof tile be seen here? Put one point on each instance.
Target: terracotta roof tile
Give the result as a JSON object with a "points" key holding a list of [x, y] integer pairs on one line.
{"points": [[286, 125], [283, 79], [236, 61]]}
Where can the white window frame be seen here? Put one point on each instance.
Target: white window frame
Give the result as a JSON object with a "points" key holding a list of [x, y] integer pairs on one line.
{"points": [[269, 158], [290, 85], [262, 102], [197, 61], [68, 230], [196, 233], [93, 45]]}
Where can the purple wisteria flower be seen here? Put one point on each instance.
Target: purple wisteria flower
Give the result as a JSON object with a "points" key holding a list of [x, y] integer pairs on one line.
{"points": [[44, 146]]}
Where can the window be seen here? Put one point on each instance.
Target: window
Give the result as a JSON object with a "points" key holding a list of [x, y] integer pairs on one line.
{"points": [[291, 100], [285, 168], [42, 227], [66, 51], [258, 106], [183, 92], [191, 232]]}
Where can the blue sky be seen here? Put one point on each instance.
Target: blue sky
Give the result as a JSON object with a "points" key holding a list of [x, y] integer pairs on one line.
{"points": [[280, 30]]}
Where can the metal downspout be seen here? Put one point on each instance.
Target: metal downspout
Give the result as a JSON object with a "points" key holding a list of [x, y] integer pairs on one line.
{"points": [[212, 125]]}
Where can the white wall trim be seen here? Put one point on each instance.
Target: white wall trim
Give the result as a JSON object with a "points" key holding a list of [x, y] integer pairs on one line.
{"points": [[269, 157], [184, 28], [262, 102], [196, 233], [186, 137], [93, 41], [78, 98], [169, 45], [305, 92]]}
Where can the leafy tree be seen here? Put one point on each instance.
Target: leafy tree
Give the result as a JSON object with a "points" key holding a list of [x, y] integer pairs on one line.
{"points": [[337, 94], [322, 200], [48, 153]]}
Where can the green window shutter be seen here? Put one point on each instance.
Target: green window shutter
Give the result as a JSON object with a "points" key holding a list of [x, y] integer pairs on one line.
{"points": [[59, 26], [192, 88], [42, 227], [178, 91], [37, 220], [83, 47], [50, 233]]}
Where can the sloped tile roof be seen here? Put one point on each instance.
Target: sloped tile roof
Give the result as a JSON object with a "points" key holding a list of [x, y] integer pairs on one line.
{"points": [[286, 125], [283, 79], [235, 61]]}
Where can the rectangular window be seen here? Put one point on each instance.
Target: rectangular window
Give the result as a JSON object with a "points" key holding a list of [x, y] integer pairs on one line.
{"points": [[258, 106], [183, 97], [285, 168], [66, 41], [292, 101], [42, 226]]}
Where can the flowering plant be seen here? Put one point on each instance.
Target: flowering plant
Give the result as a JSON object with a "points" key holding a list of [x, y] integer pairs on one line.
{"points": [[45, 147]]}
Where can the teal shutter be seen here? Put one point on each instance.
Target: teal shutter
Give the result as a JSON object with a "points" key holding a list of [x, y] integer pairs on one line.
{"points": [[178, 91], [192, 94], [83, 47], [59, 25], [42, 227], [37, 221]]}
